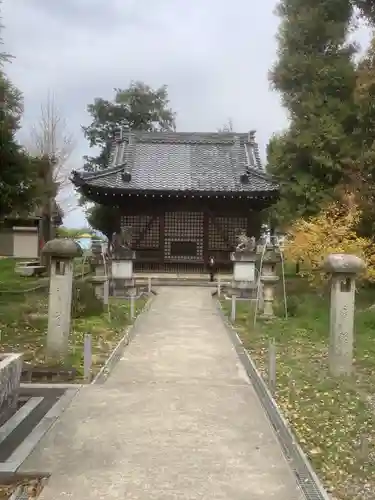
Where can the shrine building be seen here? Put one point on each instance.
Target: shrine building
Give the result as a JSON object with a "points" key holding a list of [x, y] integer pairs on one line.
{"points": [[184, 195]]}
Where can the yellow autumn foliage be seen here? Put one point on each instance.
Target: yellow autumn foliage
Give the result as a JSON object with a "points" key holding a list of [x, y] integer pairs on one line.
{"points": [[332, 231]]}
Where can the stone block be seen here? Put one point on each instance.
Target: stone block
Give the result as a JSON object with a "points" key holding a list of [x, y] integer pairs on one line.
{"points": [[10, 376], [244, 271], [122, 269], [98, 284]]}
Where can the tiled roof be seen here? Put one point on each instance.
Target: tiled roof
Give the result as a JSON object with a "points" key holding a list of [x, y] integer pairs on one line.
{"points": [[184, 162]]}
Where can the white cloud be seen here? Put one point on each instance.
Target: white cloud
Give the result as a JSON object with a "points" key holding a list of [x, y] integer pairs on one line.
{"points": [[213, 55]]}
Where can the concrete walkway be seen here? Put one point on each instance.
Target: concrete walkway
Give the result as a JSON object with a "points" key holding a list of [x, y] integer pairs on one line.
{"points": [[177, 420]]}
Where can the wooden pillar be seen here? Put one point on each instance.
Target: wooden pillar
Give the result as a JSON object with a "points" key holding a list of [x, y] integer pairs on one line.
{"points": [[250, 224], [254, 222], [205, 236], [162, 236]]}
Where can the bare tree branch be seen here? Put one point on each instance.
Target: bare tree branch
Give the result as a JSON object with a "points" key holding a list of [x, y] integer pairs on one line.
{"points": [[50, 137], [67, 199]]}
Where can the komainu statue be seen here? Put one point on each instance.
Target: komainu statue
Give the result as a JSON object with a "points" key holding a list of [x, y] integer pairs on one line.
{"points": [[245, 243], [121, 242]]}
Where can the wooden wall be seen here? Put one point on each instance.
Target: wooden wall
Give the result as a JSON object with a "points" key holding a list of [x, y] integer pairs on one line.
{"points": [[183, 234]]}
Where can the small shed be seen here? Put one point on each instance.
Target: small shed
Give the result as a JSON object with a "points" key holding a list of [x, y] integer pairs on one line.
{"points": [[21, 234]]}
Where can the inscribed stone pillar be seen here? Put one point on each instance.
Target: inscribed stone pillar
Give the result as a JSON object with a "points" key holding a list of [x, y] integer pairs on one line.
{"points": [[343, 269], [62, 252]]}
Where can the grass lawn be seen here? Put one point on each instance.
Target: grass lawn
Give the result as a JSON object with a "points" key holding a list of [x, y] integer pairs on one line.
{"points": [[331, 417], [13, 282], [23, 324], [10, 281]]}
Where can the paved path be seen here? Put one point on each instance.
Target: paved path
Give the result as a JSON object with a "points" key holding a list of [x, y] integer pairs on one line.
{"points": [[177, 420]]}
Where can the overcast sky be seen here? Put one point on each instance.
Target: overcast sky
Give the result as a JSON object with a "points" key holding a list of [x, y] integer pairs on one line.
{"points": [[214, 56]]}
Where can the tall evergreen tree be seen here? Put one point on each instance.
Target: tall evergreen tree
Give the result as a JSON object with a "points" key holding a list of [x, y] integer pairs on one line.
{"points": [[17, 172], [363, 177], [139, 107], [315, 75]]}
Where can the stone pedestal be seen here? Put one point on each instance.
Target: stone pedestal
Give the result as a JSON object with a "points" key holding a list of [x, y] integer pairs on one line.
{"points": [[244, 281], [266, 301], [62, 252], [99, 260], [268, 279], [343, 269], [99, 269], [98, 283], [122, 271], [10, 378]]}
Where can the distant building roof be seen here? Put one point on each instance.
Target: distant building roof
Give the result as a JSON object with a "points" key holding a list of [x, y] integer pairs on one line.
{"points": [[182, 162]]}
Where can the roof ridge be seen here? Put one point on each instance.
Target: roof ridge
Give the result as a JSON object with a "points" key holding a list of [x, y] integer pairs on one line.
{"points": [[184, 137], [99, 173]]}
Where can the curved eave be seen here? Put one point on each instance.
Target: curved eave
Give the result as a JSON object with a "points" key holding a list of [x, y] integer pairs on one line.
{"points": [[102, 194]]}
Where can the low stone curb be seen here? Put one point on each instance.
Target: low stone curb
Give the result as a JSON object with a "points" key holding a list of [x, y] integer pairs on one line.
{"points": [[20, 454], [129, 333], [307, 479]]}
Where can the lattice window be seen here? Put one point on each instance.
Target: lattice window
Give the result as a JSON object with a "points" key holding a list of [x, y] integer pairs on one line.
{"points": [[145, 230], [222, 232], [184, 227]]}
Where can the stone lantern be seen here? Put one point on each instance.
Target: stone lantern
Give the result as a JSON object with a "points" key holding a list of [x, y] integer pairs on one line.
{"points": [[343, 269], [269, 279], [62, 252]]}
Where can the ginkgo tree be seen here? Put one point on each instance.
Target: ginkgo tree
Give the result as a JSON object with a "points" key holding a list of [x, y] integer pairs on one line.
{"points": [[333, 230]]}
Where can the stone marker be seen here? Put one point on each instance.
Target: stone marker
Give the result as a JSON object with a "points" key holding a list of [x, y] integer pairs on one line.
{"points": [[343, 269], [62, 252], [87, 357], [233, 309]]}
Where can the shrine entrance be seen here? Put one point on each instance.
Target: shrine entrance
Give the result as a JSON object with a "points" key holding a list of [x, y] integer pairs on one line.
{"points": [[182, 241], [184, 237]]}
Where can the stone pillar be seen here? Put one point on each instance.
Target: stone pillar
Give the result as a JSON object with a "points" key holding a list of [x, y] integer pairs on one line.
{"points": [[269, 279], [244, 277], [343, 269], [62, 252]]}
